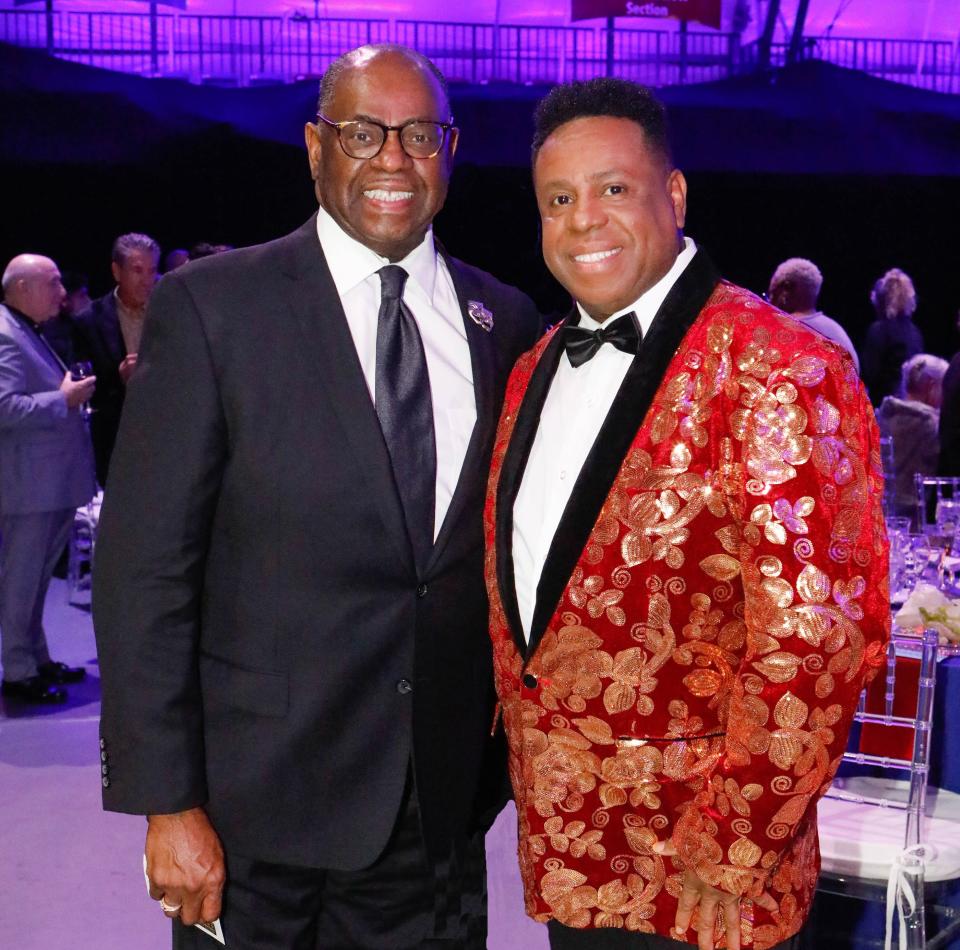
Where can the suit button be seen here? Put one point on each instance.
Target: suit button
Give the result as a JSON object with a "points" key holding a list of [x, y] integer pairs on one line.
{"points": [[106, 782], [529, 680], [404, 687], [104, 756], [422, 590], [103, 743], [105, 769]]}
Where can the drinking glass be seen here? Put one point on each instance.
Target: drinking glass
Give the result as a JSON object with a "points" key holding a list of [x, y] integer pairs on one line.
{"points": [[948, 517], [898, 529], [81, 370], [916, 559]]}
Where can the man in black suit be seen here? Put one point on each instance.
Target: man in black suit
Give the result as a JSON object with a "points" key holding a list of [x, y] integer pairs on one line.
{"points": [[108, 335], [288, 600]]}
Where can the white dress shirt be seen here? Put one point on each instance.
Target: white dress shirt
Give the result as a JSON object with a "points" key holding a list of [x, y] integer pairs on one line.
{"points": [[574, 411], [430, 296]]}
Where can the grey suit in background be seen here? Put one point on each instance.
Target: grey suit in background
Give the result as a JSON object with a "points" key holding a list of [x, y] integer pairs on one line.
{"points": [[46, 473]]}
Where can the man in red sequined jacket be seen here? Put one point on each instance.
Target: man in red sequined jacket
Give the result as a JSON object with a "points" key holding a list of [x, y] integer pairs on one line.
{"points": [[686, 563]]}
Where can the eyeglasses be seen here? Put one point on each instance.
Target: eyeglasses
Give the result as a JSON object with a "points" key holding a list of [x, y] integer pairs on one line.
{"points": [[364, 139]]}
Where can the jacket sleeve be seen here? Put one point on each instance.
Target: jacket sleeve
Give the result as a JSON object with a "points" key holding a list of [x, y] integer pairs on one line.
{"points": [[154, 534], [20, 409], [803, 481]]}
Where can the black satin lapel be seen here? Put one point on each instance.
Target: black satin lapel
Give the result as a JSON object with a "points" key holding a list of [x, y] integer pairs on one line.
{"points": [[675, 316], [511, 474], [473, 473], [313, 297]]}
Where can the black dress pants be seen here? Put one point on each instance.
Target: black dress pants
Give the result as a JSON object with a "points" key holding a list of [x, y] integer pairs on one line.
{"points": [[615, 938], [399, 902]]}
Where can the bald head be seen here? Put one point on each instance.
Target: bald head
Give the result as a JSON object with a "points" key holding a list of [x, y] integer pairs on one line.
{"points": [[32, 285], [362, 55]]}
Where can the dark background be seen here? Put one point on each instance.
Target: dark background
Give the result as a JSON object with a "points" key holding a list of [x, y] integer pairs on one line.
{"points": [[855, 228], [858, 174]]}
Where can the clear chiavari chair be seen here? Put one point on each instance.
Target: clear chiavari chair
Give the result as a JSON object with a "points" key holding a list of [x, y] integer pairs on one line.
{"points": [[877, 840]]}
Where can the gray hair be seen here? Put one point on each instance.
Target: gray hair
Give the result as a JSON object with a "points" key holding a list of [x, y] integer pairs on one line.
{"points": [[921, 371], [346, 61], [127, 243], [799, 271]]}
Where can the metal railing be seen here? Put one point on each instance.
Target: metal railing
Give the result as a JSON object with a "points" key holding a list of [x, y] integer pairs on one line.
{"points": [[928, 64], [248, 50]]}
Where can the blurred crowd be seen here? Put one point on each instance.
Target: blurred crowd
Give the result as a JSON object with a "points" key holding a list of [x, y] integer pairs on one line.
{"points": [[916, 394], [95, 343], [65, 361], [102, 336]]}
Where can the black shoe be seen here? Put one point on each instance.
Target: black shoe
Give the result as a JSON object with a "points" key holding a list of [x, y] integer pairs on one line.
{"points": [[54, 672], [34, 689]]}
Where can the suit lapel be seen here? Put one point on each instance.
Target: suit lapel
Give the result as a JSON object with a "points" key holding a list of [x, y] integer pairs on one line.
{"points": [[112, 334], [483, 366], [511, 474], [677, 313], [45, 360], [314, 299]]}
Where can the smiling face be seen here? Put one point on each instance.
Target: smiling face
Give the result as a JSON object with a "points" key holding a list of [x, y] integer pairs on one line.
{"points": [[386, 202], [612, 212]]}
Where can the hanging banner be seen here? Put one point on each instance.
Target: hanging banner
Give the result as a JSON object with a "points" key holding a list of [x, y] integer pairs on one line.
{"points": [[706, 12]]}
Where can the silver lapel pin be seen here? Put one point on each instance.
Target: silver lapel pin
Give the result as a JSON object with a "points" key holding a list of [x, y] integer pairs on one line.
{"points": [[479, 314]]}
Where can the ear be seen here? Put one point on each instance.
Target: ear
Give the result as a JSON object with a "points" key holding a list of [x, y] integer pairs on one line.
{"points": [[311, 135], [677, 190], [115, 270], [454, 139]]}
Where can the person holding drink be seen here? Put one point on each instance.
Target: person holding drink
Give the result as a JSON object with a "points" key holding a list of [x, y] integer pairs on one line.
{"points": [[46, 473]]}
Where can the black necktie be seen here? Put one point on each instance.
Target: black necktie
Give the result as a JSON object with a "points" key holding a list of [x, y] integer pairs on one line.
{"points": [[405, 410], [582, 345]]}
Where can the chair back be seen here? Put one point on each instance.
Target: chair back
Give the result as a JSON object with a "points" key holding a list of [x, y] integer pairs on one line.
{"points": [[914, 765]]}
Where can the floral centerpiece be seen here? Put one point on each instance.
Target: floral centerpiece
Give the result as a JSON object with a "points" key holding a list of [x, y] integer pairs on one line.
{"points": [[929, 608]]}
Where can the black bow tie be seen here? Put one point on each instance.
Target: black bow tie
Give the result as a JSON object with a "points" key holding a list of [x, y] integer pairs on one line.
{"points": [[582, 345]]}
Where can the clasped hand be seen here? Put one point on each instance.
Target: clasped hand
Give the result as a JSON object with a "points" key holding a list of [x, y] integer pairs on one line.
{"points": [[697, 894]]}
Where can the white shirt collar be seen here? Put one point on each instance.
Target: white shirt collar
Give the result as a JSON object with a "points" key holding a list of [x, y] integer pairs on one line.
{"points": [[647, 305], [351, 262]]}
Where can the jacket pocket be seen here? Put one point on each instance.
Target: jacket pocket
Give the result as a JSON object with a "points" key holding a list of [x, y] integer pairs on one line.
{"points": [[263, 692]]}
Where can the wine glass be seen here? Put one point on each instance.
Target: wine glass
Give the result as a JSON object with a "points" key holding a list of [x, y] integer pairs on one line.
{"points": [[81, 369], [916, 559]]}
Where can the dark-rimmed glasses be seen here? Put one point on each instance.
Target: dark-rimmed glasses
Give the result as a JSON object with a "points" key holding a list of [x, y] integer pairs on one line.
{"points": [[362, 138]]}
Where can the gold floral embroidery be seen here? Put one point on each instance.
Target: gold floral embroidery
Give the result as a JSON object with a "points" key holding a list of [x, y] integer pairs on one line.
{"points": [[713, 612]]}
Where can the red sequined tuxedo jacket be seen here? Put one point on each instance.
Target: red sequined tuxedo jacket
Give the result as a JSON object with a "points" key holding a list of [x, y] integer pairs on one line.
{"points": [[713, 601]]}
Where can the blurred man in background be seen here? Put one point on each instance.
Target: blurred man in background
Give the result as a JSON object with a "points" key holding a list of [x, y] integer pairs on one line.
{"points": [[108, 335], [46, 473]]}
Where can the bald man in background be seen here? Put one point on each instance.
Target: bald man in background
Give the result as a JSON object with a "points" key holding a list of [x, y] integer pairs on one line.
{"points": [[46, 473]]}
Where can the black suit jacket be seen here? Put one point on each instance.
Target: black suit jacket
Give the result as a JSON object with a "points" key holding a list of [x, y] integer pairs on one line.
{"points": [[258, 613], [97, 338]]}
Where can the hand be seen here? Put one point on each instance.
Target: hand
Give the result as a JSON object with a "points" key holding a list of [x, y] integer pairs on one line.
{"points": [[127, 366], [77, 391], [185, 865], [696, 893]]}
